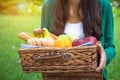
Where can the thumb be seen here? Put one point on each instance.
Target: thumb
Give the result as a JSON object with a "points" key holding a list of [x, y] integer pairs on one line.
{"points": [[102, 55], [99, 45]]}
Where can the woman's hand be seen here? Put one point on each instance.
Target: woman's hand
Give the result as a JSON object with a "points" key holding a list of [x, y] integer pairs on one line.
{"points": [[102, 55]]}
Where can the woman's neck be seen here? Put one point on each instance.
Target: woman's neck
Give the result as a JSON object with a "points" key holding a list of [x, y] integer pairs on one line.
{"points": [[74, 17], [74, 4]]}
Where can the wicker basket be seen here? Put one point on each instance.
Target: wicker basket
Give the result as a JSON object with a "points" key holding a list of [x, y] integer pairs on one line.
{"points": [[62, 64], [86, 75]]}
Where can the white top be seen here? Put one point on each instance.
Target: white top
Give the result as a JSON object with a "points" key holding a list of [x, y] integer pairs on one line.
{"points": [[75, 29]]}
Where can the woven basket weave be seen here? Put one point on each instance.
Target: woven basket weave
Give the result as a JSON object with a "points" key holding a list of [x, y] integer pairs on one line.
{"points": [[86, 75], [59, 64]]}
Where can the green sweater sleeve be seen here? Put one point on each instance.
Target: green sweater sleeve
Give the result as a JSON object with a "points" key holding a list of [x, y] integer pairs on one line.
{"points": [[43, 15], [109, 34], [47, 14]]}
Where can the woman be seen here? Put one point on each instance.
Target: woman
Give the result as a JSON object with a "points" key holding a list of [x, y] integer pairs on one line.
{"points": [[83, 18]]}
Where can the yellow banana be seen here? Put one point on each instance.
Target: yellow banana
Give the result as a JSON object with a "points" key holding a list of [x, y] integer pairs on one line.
{"points": [[41, 33], [46, 33], [36, 35]]}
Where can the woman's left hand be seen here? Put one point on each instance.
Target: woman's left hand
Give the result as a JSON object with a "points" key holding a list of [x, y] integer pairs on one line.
{"points": [[102, 57]]}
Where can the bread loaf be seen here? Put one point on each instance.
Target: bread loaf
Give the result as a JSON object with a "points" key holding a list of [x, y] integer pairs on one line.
{"points": [[24, 36]]}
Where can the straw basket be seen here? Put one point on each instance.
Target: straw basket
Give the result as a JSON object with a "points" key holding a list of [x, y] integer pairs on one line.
{"points": [[75, 63]]}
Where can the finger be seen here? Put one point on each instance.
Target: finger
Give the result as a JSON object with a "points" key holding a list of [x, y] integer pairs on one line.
{"points": [[102, 57], [99, 42], [99, 46], [102, 63]]}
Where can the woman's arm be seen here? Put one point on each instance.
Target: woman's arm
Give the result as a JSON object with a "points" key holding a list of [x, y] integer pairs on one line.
{"points": [[109, 34], [107, 51], [43, 14], [47, 14]]}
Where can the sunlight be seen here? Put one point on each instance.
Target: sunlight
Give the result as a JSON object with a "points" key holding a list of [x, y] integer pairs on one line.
{"points": [[29, 11], [21, 7]]}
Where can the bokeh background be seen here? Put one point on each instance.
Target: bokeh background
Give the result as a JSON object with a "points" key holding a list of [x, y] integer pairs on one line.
{"points": [[23, 16]]}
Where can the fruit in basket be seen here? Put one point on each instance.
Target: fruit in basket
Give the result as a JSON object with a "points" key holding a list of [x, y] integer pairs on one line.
{"points": [[73, 37], [66, 36], [33, 35], [90, 39], [37, 33], [45, 33], [62, 42], [77, 42]]}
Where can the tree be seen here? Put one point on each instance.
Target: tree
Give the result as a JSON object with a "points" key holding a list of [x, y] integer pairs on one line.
{"points": [[116, 3]]}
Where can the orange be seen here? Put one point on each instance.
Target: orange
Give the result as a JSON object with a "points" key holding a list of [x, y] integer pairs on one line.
{"points": [[62, 42]]}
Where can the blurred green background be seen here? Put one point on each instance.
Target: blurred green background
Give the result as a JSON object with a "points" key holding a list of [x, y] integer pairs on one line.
{"points": [[24, 15]]}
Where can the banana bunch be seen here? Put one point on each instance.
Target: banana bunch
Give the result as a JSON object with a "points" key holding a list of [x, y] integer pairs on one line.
{"points": [[42, 33], [46, 33], [36, 35]]}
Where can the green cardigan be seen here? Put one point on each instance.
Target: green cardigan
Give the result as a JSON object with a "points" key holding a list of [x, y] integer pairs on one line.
{"points": [[107, 38]]}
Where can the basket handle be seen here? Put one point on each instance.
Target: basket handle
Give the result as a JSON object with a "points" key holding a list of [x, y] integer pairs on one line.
{"points": [[59, 57]]}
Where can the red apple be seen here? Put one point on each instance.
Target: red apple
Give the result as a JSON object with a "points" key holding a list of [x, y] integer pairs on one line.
{"points": [[91, 39], [77, 42]]}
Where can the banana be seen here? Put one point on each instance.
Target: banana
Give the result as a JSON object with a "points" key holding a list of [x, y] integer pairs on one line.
{"points": [[42, 33], [46, 33], [36, 35]]}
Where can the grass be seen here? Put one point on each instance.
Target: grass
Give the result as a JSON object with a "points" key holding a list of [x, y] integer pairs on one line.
{"points": [[114, 67], [10, 69], [10, 26]]}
